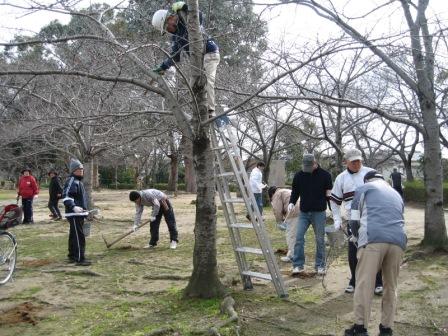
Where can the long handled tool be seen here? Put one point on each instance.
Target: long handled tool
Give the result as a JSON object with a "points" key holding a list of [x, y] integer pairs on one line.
{"points": [[122, 236], [282, 225]]}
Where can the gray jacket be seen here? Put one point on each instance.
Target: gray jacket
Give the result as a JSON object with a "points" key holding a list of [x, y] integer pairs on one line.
{"points": [[149, 197], [377, 215]]}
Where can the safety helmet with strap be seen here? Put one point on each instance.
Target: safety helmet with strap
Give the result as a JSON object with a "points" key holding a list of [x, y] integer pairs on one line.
{"points": [[159, 18]]}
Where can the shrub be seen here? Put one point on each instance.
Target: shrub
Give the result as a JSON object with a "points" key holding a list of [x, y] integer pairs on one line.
{"points": [[415, 192]]}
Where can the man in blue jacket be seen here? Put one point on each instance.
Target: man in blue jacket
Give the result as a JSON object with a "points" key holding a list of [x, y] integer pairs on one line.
{"points": [[74, 198], [377, 223], [175, 23]]}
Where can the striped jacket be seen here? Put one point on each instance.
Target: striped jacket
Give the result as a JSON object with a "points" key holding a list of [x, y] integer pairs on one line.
{"points": [[343, 191]]}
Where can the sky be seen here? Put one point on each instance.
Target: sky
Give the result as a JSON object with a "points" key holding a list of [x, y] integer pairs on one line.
{"points": [[289, 22]]}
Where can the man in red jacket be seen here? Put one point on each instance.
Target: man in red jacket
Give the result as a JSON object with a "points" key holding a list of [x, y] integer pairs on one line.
{"points": [[28, 189]]}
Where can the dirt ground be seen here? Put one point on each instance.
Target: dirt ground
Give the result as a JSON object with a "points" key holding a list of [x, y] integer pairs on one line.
{"points": [[130, 290]]}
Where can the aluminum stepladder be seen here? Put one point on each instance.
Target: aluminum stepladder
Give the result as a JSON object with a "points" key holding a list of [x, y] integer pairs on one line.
{"points": [[226, 152]]}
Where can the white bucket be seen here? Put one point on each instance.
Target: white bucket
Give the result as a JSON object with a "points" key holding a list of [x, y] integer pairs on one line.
{"points": [[86, 228], [336, 238]]}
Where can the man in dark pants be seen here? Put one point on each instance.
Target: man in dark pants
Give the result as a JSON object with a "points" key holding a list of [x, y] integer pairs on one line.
{"points": [[55, 191], [75, 201], [396, 181], [343, 191], [160, 206]]}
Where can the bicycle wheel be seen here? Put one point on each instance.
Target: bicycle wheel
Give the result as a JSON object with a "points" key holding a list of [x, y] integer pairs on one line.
{"points": [[8, 255]]}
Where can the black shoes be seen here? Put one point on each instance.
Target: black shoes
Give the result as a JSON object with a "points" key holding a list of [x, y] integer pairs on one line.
{"points": [[385, 331], [356, 330], [359, 330], [83, 263]]}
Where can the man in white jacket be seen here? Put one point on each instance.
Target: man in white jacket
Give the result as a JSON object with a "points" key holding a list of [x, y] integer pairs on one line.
{"points": [[343, 192], [257, 185]]}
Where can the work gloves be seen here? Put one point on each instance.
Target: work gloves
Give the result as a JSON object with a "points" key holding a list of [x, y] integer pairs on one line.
{"points": [[290, 207], [78, 209], [152, 219], [158, 70], [337, 224], [281, 226], [135, 227]]}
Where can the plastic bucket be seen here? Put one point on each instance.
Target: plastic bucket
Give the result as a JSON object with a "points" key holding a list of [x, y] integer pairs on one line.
{"points": [[86, 228], [336, 238]]}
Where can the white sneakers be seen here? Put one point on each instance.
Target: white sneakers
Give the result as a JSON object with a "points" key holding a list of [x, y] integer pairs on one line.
{"points": [[349, 289], [378, 290], [297, 270], [321, 271], [285, 259], [173, 245]]}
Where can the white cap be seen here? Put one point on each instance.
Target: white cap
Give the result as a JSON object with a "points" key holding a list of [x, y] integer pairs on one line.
{"points": [[353, 154]]}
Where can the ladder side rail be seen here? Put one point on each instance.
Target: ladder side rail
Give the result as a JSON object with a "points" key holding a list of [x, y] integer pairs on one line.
{"points": [[251, 204], [241, 175], [230, 217]]}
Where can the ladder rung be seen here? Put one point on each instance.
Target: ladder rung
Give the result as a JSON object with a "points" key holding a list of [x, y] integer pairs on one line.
{"points": [[234, 200], [264, 276], [249, 250], [226, 174], [242, 226]]}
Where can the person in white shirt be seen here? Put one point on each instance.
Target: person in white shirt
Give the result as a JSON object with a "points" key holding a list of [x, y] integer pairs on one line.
{"points": [[257, 185], [343, 192]]}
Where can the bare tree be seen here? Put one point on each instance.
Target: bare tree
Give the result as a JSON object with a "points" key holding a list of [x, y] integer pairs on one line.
{"points": [[421, 81]]}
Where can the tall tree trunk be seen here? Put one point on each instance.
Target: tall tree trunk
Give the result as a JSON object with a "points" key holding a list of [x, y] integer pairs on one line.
{"points": [[95, 177], [204, 281], [190, 175], [435, 229], [88, 178], [409, 172], [172, 179]]}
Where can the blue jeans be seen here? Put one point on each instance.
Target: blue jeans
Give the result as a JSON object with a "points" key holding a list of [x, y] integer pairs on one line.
{"points": [[317, 220], [259, 200]]}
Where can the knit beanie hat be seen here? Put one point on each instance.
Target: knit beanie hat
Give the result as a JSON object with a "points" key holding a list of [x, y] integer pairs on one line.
{"points": [[74, 164]]}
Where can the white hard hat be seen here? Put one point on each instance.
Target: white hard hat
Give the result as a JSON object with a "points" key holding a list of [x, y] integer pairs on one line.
{"points": [[159, 18]]}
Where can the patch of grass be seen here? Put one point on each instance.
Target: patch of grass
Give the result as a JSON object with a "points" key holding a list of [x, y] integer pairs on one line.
{"points": [[8, 195], [304, 295], [27, 293]]}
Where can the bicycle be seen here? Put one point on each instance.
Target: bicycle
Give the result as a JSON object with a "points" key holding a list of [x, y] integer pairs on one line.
{"points": [[11, 215], [8, 256]]}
